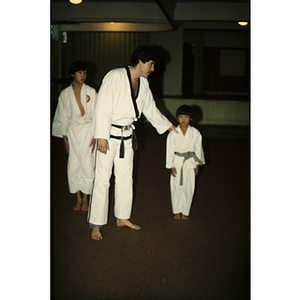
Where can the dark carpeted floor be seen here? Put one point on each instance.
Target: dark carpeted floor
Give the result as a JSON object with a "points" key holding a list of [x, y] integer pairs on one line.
{"points": [[206, 257]]}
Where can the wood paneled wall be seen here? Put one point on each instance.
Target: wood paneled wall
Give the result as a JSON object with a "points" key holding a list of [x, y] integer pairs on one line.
{"points": [[102, 51]]}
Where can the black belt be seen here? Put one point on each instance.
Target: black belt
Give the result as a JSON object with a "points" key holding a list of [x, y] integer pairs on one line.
{"points": [[122, 138]]}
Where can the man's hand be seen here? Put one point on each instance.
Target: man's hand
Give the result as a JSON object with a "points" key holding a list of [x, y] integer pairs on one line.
{"points": [[196, 170], [173, 172], [93, 143], [102, 145], [173, 128]]}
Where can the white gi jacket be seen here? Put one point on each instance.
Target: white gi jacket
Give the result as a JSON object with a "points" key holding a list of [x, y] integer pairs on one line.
{"points": [[114, 105], [190, 142], [68, 121], [68, 113]]}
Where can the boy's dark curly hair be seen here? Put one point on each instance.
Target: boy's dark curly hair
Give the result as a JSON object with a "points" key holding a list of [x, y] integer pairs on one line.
{"points": [[76, 66], [185, 110]]}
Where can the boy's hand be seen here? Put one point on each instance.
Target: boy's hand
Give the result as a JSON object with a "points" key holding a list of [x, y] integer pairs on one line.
{"points": [[93, 143], [173, 172], [102, 145], [196, 170], [66, 143]]}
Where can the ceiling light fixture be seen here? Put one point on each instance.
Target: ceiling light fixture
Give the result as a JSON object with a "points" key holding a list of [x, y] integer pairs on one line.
{"points": [[243, 23], [75, 1]]}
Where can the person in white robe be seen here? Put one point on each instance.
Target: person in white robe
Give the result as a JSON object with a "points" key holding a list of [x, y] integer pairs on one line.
{"points": [[184, 154], [73, 121], [123, 96]]}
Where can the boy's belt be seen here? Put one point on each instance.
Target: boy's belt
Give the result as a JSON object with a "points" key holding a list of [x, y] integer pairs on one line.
{"points": [[122, 138], [186, 156]]}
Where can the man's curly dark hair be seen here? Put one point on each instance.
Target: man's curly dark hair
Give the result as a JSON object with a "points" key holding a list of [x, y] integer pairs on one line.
{"points": [[143, 53]]}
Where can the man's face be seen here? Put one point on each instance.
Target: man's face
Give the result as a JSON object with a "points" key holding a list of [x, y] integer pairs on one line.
{"points": [[147, 68], [79, 76]]}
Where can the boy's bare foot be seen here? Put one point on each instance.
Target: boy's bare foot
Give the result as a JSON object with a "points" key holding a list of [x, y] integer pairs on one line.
{"points": [[184, 217], [85, 206], [77, 207], [122, 223], [177, 216], [96, 234], [85, 203]]}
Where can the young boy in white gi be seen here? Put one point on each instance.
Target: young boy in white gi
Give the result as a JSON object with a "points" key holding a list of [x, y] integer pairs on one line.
{"points": [[184, 155], [123, 96], [73, 121]]}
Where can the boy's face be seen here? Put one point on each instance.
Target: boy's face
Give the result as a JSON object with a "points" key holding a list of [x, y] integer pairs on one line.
{"points": [[184, 120], [79, 76]]}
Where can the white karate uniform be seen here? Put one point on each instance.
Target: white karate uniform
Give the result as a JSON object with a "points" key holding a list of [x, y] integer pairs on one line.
{"points": [[114, 105], [68, 121], [182, 195]]}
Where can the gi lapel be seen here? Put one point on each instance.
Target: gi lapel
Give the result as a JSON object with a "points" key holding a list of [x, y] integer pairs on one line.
{"points": [[184, 140], [132, 93]]}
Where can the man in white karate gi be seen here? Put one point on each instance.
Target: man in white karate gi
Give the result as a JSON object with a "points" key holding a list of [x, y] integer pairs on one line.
{"points": [[183, 156], [123, 96], [73, 121]]}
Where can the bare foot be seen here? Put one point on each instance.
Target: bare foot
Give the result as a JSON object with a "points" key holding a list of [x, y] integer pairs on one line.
{"points": [[184, 217], [177, 216], [77, 207], [122, 223], [85, 203], [96, 234], [85, 206]]}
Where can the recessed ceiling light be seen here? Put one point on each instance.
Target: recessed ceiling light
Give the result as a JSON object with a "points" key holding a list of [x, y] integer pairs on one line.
{"points": [[75, 1], [243, 23]]}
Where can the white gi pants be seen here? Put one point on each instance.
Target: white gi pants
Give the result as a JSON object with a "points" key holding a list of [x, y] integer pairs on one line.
{"points": [[80, 169], [182, 195], [123, 167]]}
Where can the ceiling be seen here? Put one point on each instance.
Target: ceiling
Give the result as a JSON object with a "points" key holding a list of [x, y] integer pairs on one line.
{"points": [[176, 1], [150, 15]]}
